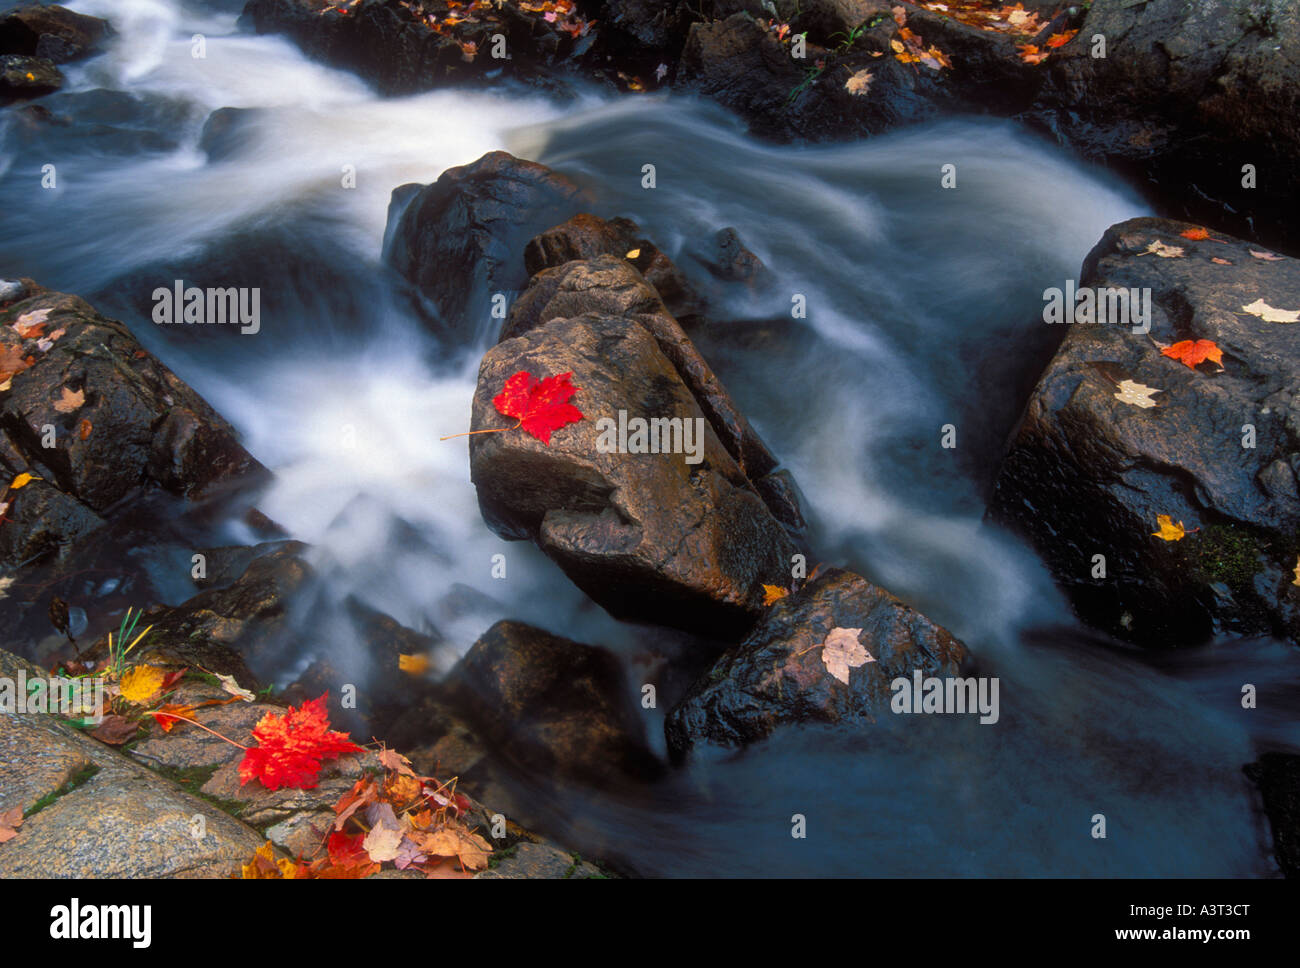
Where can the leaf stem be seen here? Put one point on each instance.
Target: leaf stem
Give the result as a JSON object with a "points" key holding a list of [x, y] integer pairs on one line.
{"points": [[495, 430], [194, 722]]}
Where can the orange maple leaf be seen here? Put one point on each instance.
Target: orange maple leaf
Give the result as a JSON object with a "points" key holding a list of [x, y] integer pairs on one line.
{"points": [[1192, 353]]}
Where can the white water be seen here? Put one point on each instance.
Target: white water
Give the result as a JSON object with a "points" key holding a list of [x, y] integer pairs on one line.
{"points": [[921, 312]]}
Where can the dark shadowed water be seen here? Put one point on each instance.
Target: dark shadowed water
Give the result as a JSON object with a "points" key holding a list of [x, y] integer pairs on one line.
{"points": [[923, 308]]}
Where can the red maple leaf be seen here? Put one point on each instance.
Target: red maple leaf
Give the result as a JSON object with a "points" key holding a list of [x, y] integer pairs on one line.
{"points": [[540, 405], [291, 747]]}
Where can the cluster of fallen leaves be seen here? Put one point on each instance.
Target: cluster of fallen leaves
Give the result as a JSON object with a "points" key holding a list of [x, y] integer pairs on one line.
{"points": [[451, 19], [1193, 352], [30, 328], [411, 821], [1013, 20], [908, 48]]}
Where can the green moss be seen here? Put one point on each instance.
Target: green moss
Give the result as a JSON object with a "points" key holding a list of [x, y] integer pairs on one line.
{"points": [[1229, 555], [497, 856], [77, 779], [192, 779]]}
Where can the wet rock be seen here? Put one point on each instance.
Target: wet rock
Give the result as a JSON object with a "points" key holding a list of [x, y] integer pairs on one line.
{"points": [[648, 536], [541, 862], [226, 132], [1278, 777], [11, 290], [120, 423], [93, 813], [612, 285], [776, 676], [1187, 95], [53, 33], [23, 78], [562, 707], [392, 44], [460, 240], [1087, 474]]}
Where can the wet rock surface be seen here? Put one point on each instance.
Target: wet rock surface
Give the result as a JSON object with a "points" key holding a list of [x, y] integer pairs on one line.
{"points": [[776, 676], [459, 240], [648, 536], [1089, 474]]}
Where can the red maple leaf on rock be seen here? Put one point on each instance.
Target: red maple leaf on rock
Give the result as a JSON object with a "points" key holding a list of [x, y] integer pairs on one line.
{"points": [[291, 747], [541, 406]]}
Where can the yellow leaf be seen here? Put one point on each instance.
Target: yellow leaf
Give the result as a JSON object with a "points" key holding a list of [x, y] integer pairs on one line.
{"points": [[416, 665], [1168, 530], [897, 46], [140, 684], [1297, 571], [773, 594], [1164, 251], [635, 253], [262, 867], [22, 480]]}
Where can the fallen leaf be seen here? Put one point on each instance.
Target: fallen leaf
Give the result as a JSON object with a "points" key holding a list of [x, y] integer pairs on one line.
{"points": [[385, 837], [167, 716], [70, 401], [415, 665], [291, 747], [1270, 315], [141, 683], [395, 761], [263, 866], [84, 428], [1197, 234], [12, 362], [859, 83], [1164, 251], [31, 324], [229, 684], [1168, 530], [1218, 261], [540, 405], [455, 841], [116, 730], [10, 821], [773, 594], [1061, 39], [22, 480], [841, 651], [634, 254], [1194, 352], [1267, 256], [1297, 571], [1136, 394]]}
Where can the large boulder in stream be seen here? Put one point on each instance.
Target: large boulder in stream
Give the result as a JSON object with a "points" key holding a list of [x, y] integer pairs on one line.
{"points": [[95, 419], [679, 535], [52, 33], [777, 675], [460, 240], [1186, 96], [1091, 469]]}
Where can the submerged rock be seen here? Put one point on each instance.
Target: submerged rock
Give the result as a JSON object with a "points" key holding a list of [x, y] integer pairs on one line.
{"points": [[1088, 474], [1278, 777], [777, 676], [460, 240], [23, 78]]}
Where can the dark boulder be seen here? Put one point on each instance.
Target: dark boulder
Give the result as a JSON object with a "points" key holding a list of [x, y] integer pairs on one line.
{"points": [[1185, 97], [1088, 474], [648, 536], [461, 239], [98, 419], [776, 676], [53, 33], [559, 706], [1278, 777]]}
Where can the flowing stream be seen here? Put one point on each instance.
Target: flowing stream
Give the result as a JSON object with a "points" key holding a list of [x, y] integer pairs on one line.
{"points": [[923, 308]]}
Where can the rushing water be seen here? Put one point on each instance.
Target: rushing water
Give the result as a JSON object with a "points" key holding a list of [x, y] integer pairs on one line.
{"points": [[922, 306]]}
